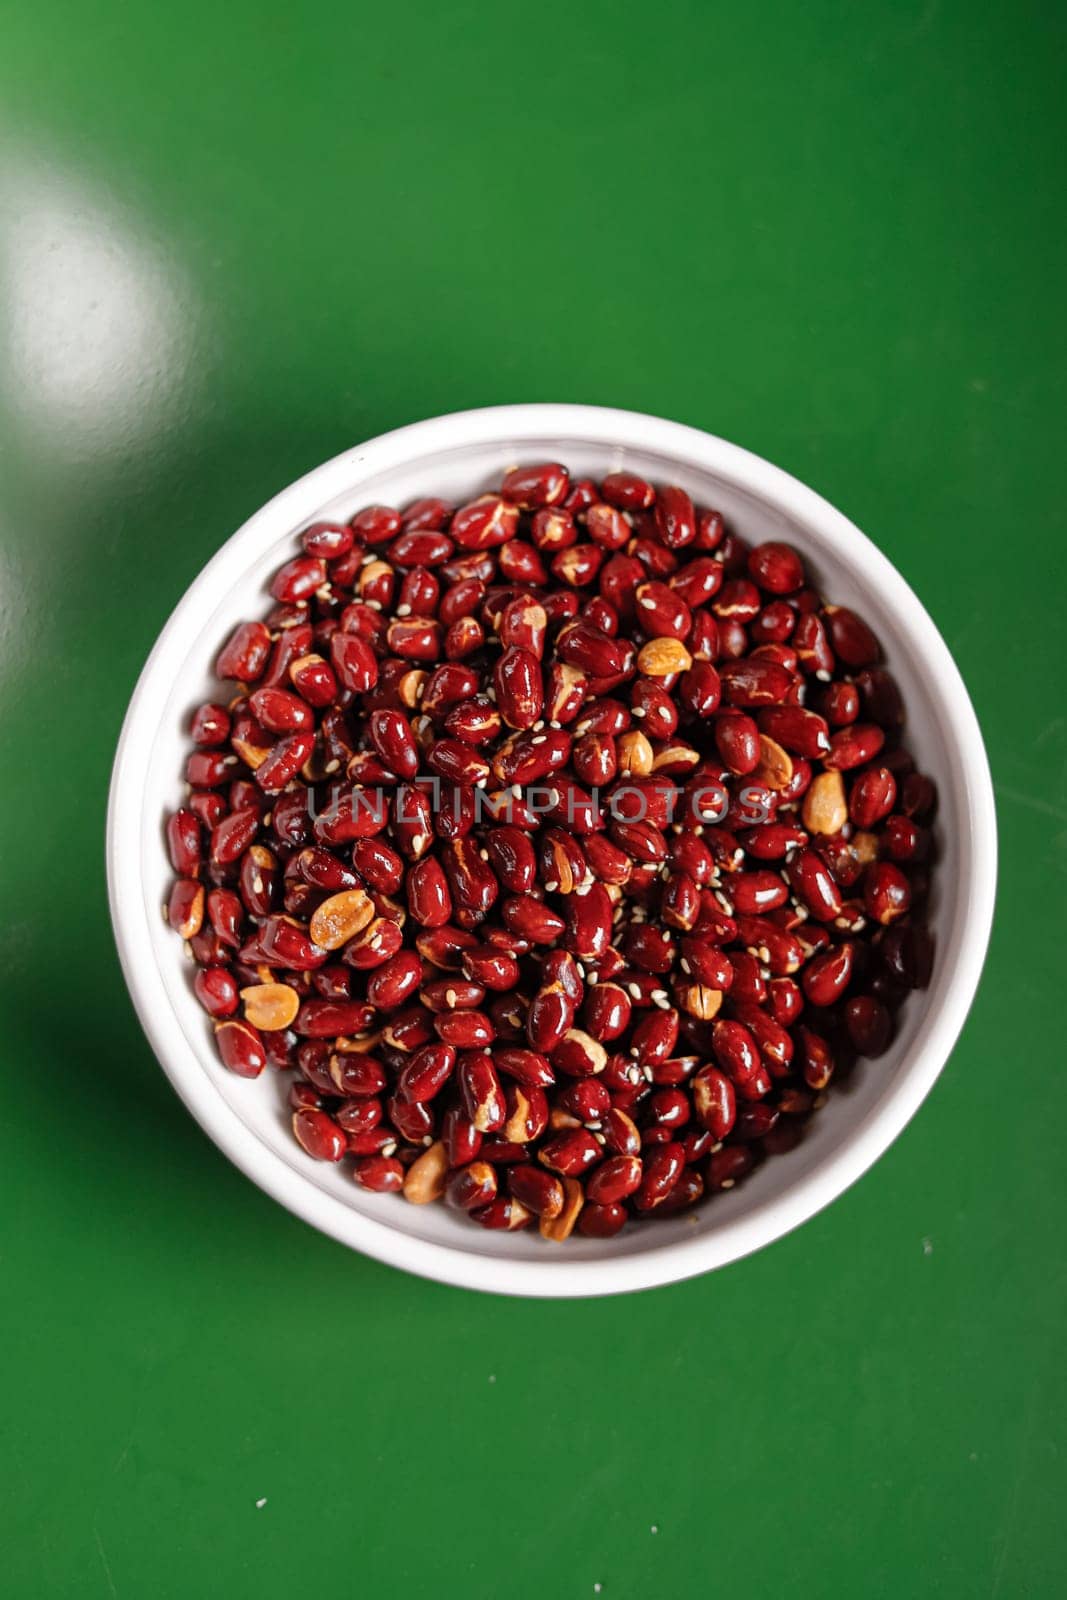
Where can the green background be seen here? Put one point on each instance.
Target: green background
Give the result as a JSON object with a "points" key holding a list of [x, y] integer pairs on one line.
{"points": [[238, 238]]}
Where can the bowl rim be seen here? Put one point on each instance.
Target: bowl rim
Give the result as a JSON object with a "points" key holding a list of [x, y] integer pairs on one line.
{"points": [[767, 1220]]}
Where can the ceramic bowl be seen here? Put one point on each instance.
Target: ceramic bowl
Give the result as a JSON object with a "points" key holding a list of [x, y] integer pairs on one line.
{"points": [[458, 456]]}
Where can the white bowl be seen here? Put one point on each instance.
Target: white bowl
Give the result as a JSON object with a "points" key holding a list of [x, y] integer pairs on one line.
{"points": [[458, 456]]}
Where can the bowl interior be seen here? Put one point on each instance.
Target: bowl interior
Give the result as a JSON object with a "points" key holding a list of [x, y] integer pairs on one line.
{"points": [[250, 1120]]}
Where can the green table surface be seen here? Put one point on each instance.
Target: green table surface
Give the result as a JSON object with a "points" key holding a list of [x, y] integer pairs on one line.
{"points": [[239, 238]]}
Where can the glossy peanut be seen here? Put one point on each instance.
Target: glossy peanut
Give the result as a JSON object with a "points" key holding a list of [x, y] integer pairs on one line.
{"points": [[614, 1180]]}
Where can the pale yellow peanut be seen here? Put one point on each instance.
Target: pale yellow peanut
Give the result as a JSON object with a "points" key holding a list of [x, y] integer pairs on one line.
{"points": [[425, 1178], [660, 658], [559, 1228], [775, 768], [270, 1006], [825, 807], [340, 918]]}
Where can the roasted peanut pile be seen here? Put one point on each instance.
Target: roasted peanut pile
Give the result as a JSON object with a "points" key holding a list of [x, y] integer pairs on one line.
{"points": [[562, 846]]}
